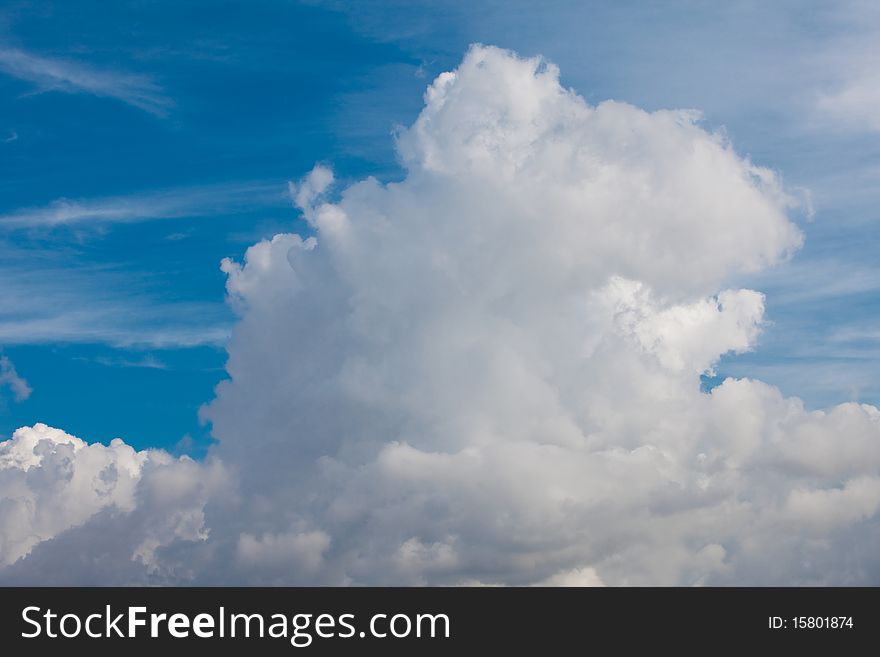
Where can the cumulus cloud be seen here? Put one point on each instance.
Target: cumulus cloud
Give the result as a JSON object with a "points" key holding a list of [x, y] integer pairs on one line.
{"points": [[489, 371], [51, 482]]}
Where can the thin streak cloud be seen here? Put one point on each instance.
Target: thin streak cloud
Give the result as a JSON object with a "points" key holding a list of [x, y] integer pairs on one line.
{"points": [[102, 326], [134, 208], [49, 304], [68, 76]]}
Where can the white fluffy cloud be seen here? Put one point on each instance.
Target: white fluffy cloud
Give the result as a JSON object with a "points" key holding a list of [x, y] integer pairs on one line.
{"points": [[489, 371], [51, 482]]}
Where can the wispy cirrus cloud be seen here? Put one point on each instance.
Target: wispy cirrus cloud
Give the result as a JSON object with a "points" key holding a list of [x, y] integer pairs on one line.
{"points": [[133, 208], [46, 299], [120, 324], [853, 104], [9, 377], [43, 301], [149, 362], [69, 76], [845, 65], [71, 327]]}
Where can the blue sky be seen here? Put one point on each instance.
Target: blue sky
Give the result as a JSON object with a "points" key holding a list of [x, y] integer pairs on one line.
{"points": [[141, 142]]}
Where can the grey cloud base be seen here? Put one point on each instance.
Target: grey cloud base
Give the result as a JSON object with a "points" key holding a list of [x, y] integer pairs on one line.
{"points": [[486, 373]]}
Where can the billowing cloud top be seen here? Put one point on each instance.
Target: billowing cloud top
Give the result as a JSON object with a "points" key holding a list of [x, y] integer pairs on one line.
{"points": [[489, 372]]}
